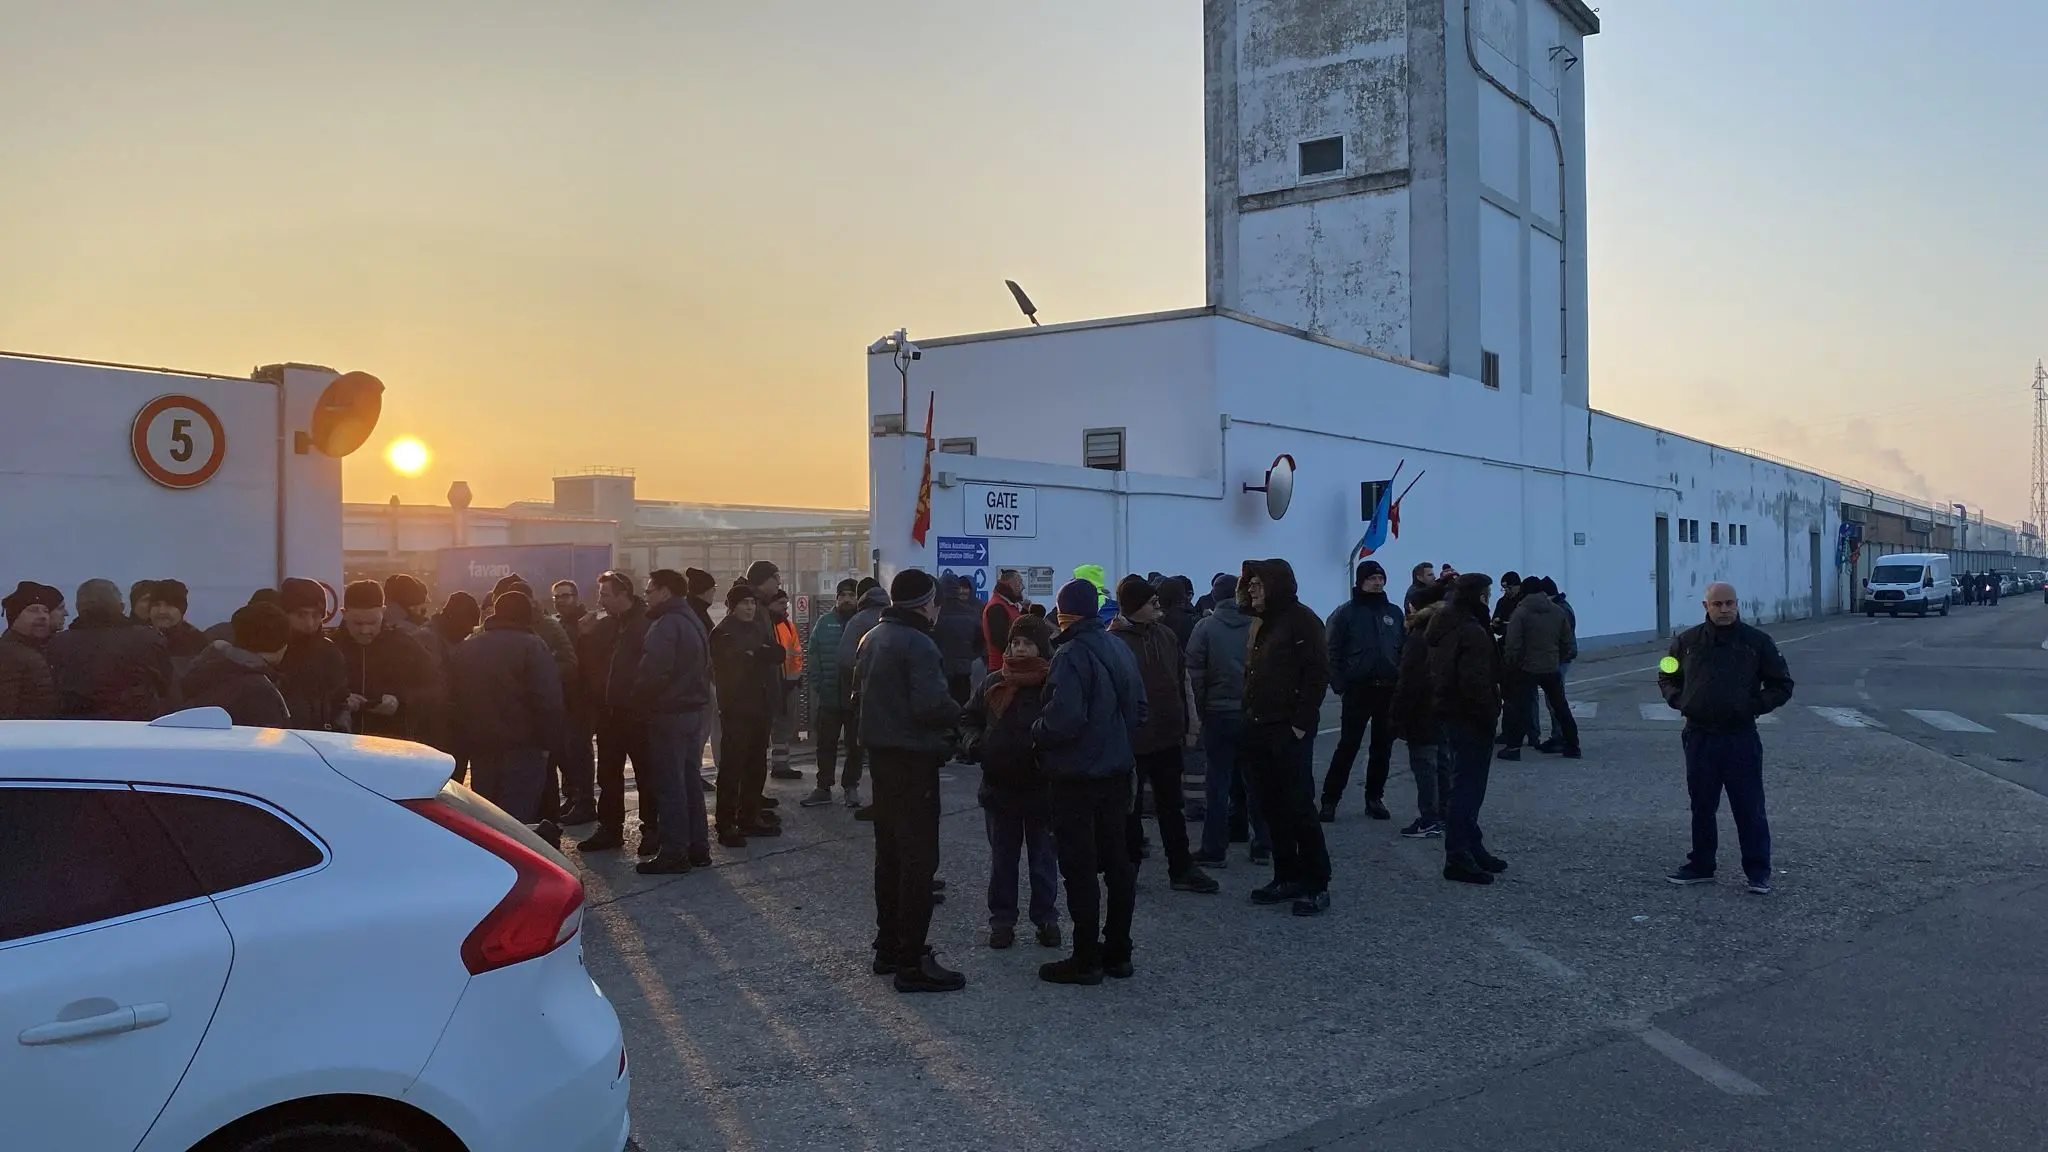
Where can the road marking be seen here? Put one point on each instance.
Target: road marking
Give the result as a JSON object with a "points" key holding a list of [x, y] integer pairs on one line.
{"points": [[2030, 719], [1658, 712], [1843, 717], [1586, 711], [1542, 960], [1769, 718], [1781, 644], [1946, 721], [1697, 1062]]}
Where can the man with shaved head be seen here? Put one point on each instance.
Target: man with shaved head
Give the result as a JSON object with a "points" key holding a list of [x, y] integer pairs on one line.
{"points": [[1721, 675]]}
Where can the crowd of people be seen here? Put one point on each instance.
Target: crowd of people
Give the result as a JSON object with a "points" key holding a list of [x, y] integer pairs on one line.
{"points": [[1073, 711]]}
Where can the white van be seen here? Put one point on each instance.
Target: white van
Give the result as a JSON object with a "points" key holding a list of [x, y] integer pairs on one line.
{"points": [[1916, 582]]}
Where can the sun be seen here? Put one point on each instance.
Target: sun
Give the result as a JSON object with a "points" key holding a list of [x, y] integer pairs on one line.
{"points": [[407, 456]]}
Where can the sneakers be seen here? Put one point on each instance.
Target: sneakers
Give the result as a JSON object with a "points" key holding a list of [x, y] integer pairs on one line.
{"points": [[1048, 935], [1490, 862], [818, 798], [1072, 970], [1377, 809], [1002, 937], [1689, 875], [602, 840], [1195, 880], [1207, 861], [784, 772], [1760, 887], [1278, 892], [1465, 870], [853, 799], [1508, 754], [1313, 904], [1422, 829], [1328, 813], [929, 976], [666, 864]]}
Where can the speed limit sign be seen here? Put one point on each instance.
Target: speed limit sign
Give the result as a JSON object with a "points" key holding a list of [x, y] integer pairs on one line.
{"points": [[177, 441]]}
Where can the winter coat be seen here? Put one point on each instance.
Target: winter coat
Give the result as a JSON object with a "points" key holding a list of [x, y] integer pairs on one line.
{"points": [[389, 665], [428, 705], [1415, 717], [998, 616], [1287, 670], [109, 668], [865, 618], [1504, 610], [1573, 617], [1011, 778], [900, 689], [1416, 590], [1726, 678], [185, 642], [224, 676], [616, 644], [821, 659], [1539, 637], [1164, 671], [1094, 704], [506, 691], [1215, 659], [1365, 642], [560, 646], [314, 680], [673, 673], [747, 665], [959, 637], [27, 690], [1464, 667]]}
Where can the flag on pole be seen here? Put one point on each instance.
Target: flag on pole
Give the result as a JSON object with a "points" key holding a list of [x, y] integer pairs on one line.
{"points": [[922, 523], [1394, 520], [1376, 530]]}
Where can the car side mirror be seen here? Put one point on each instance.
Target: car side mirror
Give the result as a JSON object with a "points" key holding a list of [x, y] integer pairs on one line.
{"points": [[1930, 582]]}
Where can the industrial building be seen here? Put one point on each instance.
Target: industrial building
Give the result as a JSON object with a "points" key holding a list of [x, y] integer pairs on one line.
{"points": [[1396, 281]]}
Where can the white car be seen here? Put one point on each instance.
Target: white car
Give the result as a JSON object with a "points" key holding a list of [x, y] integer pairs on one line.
{"points": [[221, 939]]}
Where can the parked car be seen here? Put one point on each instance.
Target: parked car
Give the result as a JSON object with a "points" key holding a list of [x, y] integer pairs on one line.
{"points": [[223, 939], [1912, 582]]}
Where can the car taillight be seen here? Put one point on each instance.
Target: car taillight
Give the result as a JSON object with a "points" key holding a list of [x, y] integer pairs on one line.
{"points": [[543, 910]]}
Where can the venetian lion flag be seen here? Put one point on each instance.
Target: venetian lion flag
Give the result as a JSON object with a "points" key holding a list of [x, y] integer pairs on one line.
{"points": [[922, 522]]}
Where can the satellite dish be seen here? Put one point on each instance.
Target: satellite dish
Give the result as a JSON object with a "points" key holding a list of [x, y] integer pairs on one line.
{"points": [[1279, 486], [346, 414]]}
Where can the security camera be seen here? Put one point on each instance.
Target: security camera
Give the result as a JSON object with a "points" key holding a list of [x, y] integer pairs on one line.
{"points": [[911, 350], [885, 344]]}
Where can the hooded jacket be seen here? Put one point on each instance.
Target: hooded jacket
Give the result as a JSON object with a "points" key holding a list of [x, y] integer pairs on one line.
{"points": [[506, 691], [1216, 658], [1287, 670], [1539, 637], [1415, 717], [1164, 671], [617, 643], [110, 668], [225, 676], [391, 664], [1106, 605], [1726, 678], [821, 659], [1094, 704], [1365, 641], [869, 614], [899, 686], [673, 671], [958, 634], [747, 666], [1464, 666], [27, 690]]}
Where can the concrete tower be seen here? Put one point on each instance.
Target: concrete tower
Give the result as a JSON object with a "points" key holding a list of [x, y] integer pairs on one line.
{"points": [[1406, 175]]}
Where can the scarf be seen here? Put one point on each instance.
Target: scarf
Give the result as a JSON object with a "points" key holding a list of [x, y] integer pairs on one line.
{"points": [[1026, 673]]}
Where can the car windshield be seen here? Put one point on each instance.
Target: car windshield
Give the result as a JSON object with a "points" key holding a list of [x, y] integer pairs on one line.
{"points": [[1896, 574]]}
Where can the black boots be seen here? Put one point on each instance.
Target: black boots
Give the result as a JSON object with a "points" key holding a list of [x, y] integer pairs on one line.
{"points": [[928, 976]]}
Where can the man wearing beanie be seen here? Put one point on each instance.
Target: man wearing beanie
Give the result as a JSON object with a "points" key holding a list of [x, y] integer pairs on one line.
{"points": [[1094, 704], [700, 589], [241, 676], [746, 666], [406, 613], [1286, 675], [907, 722], [874, 599], [1464, 676], [388, 675], [168, 602], [821, 674], [506, 704], [225, 630], [1215, 660], [1365, 637], [1157, 743], [106, 666], [313, 675], [670, 694], [27, 691]]}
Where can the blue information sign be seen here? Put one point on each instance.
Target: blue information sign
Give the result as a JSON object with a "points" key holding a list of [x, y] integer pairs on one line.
{"points": [[963, 551]]}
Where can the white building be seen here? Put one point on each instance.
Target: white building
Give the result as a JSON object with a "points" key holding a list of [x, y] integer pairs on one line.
{"points": [[1396, 263]]}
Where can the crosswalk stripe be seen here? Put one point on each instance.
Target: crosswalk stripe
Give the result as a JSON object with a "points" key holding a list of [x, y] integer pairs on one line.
{"points": [[1659, 711], [1586, 711], [1844, 717], [1946, 721], [2030, 719], [1768, 718]]}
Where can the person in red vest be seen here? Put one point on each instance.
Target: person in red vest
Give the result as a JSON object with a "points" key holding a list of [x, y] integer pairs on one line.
{"points": [[1005, 604]]}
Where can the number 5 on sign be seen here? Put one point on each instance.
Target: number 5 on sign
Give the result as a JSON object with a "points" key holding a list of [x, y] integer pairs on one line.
{"points": [[177, 441]]}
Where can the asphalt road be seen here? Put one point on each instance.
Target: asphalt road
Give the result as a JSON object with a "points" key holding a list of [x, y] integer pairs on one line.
{"points": [[1883, 997]]}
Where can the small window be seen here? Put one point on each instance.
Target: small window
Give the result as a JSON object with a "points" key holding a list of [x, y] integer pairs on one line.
{"points": [[1714, 531], [81, 856], [1103, 448], [232, 844], [1489, 369], [958, 446], [1745, 535], [1322, 157]]}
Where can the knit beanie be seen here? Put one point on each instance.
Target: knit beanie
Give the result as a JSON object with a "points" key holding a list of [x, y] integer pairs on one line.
{"points": [[1036, 629], [912, 588], [264, 596], [1223, 587], [1133, 593], [28, 594], [507, 584], [739, 593], [761, 571], [867, 584], [363, 594], [459, 617], [1369, 568], [297, 593], [698, 581], [847, 585], [1078, 597], [171, 592], [405, 590], [1510, 580], [260, 628], [513, 607]]}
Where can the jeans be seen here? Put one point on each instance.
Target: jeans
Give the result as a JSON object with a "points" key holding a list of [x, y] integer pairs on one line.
{"points": [[1364, 704], [1431, 764], [906, 852], [1280, 766], [622, 736], [675, 746], [1222, 737], [784, 728], [575, 765], [1161, 769], [1522, 689], [511, 778], [1471, 762], [830, 724], [1088, 823], [1731, 762], [743, 770], [1011, 832]]}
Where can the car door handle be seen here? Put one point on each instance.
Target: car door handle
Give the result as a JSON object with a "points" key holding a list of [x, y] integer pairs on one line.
{"points": [[129, 1019]]}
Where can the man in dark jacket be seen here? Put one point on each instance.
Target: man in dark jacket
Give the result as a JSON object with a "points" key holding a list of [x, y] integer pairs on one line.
{"points": [[508, 707], [388, 675], [167, 604], [703, 589], [576, 771], [1215, 660], [1365, 635], [1721, 675], [1287, 671], [1094, 705], [27, 690], [1421, 579], [829, 714], [406, 613], [908, 721], [610, 657], [313, 676], [671, 690], [1464, 674], [106, 666], [747, 664], [958, 634], [241, 677], [1416, 721], [1157, 743], [874, 600], [1538, 644]]}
